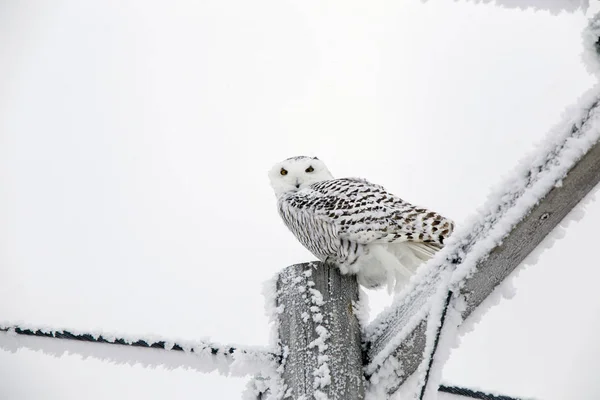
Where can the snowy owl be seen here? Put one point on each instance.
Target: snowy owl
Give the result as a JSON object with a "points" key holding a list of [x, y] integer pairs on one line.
{"points": [[355, 224]]}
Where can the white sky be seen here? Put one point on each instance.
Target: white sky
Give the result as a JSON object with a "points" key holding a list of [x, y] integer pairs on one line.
{"points": [[135, 138]]}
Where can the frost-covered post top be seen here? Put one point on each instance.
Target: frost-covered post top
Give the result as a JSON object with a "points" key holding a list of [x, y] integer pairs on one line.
{"points": [[296, 173]]}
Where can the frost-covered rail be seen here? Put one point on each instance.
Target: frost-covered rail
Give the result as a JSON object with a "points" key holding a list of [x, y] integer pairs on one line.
{"points": [[553, 6], [527, 207], [473, 394], [203, 356]]}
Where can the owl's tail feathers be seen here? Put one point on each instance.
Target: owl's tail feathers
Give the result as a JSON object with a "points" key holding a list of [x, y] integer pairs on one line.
{"points": [[396, 263], [423, 251], [396, 270], [401, 260]]}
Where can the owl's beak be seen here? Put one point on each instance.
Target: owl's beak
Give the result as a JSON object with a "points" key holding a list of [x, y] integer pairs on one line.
{"points": [[297, 184]]}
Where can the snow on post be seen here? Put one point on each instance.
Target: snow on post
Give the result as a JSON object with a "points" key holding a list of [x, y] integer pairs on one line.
{"points": [[320, 334], [518, 216]]}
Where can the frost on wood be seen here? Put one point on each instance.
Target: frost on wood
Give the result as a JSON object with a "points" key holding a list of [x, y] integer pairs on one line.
{"points": [[525, 208], [441, 336], [590, 54], [148, 350], [361, 308], [272, 311], [451, 392], [268, 385], [506, 289], [320, 334]]}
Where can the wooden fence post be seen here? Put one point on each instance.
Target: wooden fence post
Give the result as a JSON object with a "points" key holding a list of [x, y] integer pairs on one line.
{"points": [[319, 333]]}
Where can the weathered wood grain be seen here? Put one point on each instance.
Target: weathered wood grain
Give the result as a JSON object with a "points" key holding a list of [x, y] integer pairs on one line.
{"points": [[300, 334], [525, 237]]}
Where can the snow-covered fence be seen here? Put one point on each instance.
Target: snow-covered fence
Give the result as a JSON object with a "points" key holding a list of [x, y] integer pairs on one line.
{"points": [[478, 258], [318, 310], [322, 329], [553, 6]]}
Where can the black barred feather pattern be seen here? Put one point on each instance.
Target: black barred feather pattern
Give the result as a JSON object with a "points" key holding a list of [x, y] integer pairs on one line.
{"points": [[335, 218], [355, 224]]}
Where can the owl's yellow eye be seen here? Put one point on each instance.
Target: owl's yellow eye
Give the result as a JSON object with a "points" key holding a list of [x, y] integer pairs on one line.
{"points": [[309, 169], [283, 171]]}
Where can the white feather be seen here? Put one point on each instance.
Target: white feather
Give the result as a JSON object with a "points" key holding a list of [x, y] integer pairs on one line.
{"points": [[399, 262], [356, 224]]}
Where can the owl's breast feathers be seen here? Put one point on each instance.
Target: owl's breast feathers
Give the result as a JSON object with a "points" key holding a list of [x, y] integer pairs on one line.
{"points": [[358, 211]]}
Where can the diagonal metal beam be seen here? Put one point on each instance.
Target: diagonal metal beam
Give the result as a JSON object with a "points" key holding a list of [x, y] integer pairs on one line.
{"points": [[540, 195]]}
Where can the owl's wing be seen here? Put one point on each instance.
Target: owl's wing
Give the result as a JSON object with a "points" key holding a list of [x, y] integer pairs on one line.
{"points": [[364, 212]]}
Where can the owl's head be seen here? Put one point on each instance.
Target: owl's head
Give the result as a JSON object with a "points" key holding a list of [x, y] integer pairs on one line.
{"points": [[296, 173]]}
